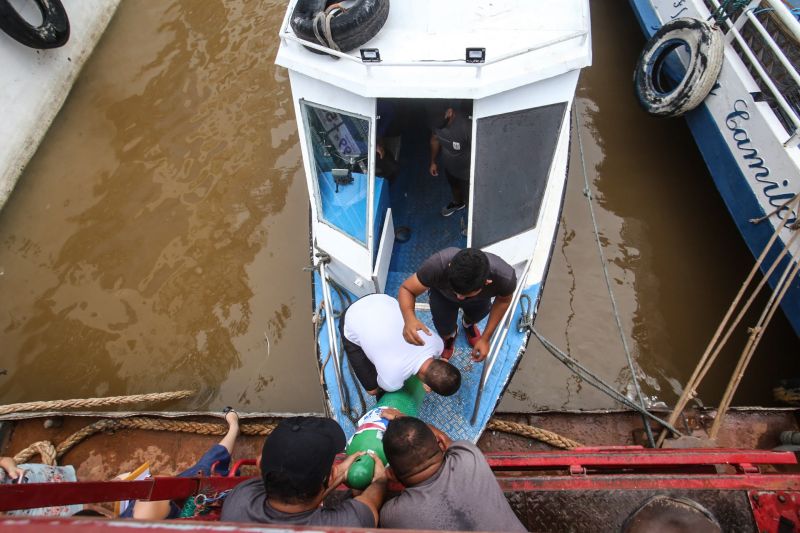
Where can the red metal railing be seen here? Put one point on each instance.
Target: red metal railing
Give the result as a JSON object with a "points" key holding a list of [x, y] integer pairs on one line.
{"points": [[581, 469]]}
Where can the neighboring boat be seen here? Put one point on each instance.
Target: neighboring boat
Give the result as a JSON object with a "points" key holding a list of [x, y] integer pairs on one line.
{"points": [[748, 127], [515, 65], [41, 54]]}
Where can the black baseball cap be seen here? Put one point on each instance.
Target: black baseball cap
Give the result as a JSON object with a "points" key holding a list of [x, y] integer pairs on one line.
{"points": [[302, 449]]}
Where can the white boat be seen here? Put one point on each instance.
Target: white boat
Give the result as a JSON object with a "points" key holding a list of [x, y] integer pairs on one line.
{"points": [[748, 127], [36, 76], [516, 64]]}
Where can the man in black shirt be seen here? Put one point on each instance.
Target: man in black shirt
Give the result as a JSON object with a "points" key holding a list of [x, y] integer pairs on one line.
{"points": [[297, 473], [467, 279], [452, 137]]}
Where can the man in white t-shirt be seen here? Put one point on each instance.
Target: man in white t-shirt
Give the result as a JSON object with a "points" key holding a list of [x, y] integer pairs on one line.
{"points": [[372, 335]]}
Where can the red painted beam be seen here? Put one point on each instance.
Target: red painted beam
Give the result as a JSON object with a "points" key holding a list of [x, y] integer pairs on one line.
{"points": [[651, 482], [637, 459]]}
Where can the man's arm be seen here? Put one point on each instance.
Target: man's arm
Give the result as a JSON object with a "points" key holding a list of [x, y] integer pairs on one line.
{"points": [[374, 495], [435, 146], [407, 297], [481, 349]]}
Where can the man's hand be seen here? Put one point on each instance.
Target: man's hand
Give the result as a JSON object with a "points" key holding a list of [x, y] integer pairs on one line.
{"points": [[380, 150], [10, 466], [410, 331], [481, 349], [379, 474], [342, 468], [434, 169]]}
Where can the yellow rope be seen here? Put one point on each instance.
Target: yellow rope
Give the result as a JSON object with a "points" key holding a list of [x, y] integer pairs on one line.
{"points": [[91, 403], [47, 450], [50, 454], [532, 432], [43, 447]]}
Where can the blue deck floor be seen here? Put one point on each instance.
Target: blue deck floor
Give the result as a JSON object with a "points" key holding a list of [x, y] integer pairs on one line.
{"points": [[417, 199]]}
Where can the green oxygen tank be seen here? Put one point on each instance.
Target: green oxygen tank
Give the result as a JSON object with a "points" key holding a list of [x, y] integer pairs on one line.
{"points": [[371, 426]]}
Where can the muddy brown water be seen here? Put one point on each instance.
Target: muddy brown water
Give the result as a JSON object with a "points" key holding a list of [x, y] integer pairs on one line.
{"points": [[156, 240]]}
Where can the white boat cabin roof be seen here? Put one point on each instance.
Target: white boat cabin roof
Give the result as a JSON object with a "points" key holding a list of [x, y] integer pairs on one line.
{"points": [[423, 48]]}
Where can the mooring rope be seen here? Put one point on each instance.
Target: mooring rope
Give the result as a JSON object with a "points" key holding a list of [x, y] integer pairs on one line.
{"points": [[89, 403], [51, 454], [533, 432], [727, 326], [588, 193], [143, 423]]}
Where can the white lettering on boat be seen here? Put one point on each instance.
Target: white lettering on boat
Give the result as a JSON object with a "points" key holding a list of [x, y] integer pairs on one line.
{"points": [[776, 191]]}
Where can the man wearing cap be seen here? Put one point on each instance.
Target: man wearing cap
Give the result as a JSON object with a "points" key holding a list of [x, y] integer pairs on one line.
{"points": [[297, 473]]}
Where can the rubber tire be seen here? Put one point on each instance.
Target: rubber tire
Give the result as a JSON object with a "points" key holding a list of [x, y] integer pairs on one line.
{"points": [[51, 33], [350, 29], [706, 46]]}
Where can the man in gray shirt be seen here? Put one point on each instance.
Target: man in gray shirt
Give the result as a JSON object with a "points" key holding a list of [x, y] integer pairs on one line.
{"points": [[297, 473], [448, 485], [477, 282]]}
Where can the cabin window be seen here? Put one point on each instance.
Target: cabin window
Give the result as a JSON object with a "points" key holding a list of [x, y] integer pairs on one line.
{"points": [[513, 155], [338, 143]]}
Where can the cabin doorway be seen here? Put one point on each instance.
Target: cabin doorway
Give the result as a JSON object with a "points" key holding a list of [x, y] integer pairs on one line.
{"points": [[424, 216]]}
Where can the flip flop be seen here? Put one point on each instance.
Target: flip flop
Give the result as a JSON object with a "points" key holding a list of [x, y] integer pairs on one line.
{"points": [[227, 410]]}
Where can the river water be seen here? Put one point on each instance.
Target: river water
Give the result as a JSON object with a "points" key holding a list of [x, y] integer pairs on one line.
{"points": [[157, 239]]}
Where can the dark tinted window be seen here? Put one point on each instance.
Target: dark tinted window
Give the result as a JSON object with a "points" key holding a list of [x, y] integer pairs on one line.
{"points": [[513, 155]]}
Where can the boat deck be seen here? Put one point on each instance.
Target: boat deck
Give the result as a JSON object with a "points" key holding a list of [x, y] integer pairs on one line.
{"points": [[416, 201]]}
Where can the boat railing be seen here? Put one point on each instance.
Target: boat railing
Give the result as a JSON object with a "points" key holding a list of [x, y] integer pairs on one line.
{"points": [[765, 75], [498, 340], [333, 338], [286, 34]]}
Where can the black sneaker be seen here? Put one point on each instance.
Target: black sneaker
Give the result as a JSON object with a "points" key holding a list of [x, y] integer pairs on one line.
{"points": [[451, 208]]}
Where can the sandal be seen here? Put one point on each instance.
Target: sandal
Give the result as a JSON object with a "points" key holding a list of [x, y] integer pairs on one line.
{"points": [[229, 409]]}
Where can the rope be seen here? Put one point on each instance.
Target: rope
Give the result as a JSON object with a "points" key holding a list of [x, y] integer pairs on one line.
{"points": [[726, 9], [51, 453], [88, 403], [43, 447], [532, 432], [588, 193], [716, 344], [322, 26], [756, 334], [597, 382]]}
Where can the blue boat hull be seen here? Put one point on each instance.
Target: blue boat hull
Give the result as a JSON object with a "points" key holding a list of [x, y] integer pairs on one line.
{"points": [[730, 180]]}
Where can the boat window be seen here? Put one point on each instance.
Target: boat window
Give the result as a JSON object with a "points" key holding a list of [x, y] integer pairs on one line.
{"points": [[513, 154], [339, 147]]}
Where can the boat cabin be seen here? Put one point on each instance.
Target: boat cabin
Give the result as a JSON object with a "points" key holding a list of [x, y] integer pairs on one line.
{"points": [[365, 119]]}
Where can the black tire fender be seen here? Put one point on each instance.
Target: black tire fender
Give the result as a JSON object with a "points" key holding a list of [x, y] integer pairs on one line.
{"points": [[51, 33], [350, 29], [705, 45]]}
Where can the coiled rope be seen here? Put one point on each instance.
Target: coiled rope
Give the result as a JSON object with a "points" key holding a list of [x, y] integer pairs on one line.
{"points": [[153, 424]]}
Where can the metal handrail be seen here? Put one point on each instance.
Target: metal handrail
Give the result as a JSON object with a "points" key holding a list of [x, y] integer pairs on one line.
{"points": [[498, 340], [285, 34], [332, 337], [776, 93]]}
